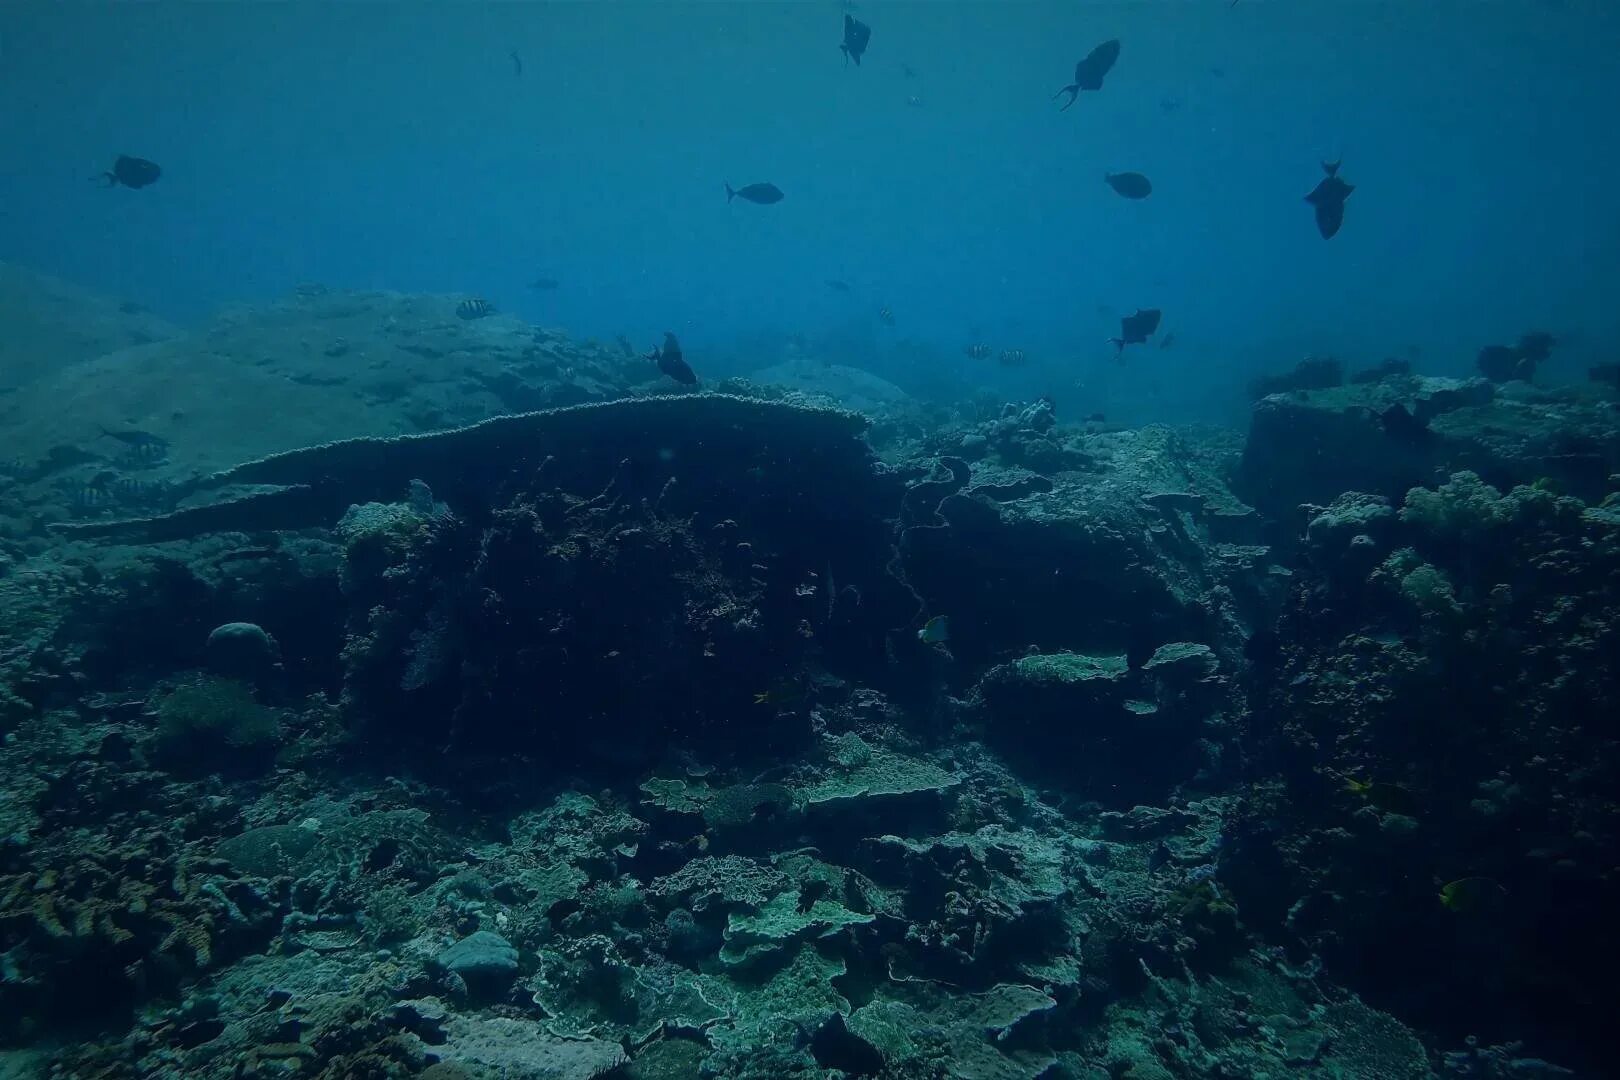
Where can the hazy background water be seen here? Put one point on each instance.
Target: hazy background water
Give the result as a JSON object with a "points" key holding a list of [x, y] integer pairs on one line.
{"points": [[393, 146]]}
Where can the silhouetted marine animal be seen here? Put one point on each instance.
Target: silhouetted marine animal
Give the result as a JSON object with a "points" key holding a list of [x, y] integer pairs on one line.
{"points": [[856, 35], [1136, 329], [1132, 185], [1088, 73], [132, 172], [1328, 199], [671, 363], [755, 193]]}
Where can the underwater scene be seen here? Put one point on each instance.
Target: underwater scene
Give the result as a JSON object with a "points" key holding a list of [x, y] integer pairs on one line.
{"points": [[750, 540]]}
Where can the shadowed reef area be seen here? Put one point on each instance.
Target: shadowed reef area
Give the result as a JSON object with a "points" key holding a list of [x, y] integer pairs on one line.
{"points": [[489, 707]]}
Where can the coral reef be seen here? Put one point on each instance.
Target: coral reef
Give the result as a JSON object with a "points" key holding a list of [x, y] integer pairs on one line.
{"points": [[591, 734]]}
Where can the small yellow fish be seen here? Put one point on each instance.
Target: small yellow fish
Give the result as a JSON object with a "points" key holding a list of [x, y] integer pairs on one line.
{"points": [[935, 630], [1471, 893], [1391, 797]]}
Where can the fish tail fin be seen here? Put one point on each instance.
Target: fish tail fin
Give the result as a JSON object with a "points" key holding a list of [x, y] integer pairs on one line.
{"points": [[730, 193], [1332, 167], [1073, 90], [106, 179], [1118, 344]]}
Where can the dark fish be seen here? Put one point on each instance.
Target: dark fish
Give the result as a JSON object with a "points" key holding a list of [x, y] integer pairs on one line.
{"points": [[88, 498], [908, 71], [671, 363], [1402, 426], [1011, 358], [978, 351], [886, 316], [1158, 858], [128, 489], [856, 36], [1537, 346], [1604, 374], [545, 284], [132, 172], [1089, 73], [136, 438], [1132, 185], [837, 285], [144, 456], [764, 194], [517, 63], [914, 101], [1097, 418], [1136, 329], [475, 308], [1328, 200]]}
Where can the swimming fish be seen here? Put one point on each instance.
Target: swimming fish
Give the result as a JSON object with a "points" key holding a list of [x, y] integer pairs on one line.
{"points": [[1471, 894], [137, 439], [517, 63], [87, 498], [935, 631], [672, 363], [978, 351], [1132, 185], [1136, 329], [1328, 200], [856, 36], [130, 490], [837, 285], [764, 194], [132, 172], [886, 316], [475, 308], [1089, 73], [1011, 358], [544, 284], [1392, 797], [1402, 425]]}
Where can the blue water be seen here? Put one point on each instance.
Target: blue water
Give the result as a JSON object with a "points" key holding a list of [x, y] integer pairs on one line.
{"points": [[389, 146]]}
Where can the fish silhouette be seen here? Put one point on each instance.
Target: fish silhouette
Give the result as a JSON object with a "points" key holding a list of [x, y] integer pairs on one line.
{"points": [[1089, 73], [1132, 185], [755, 193], [1328, 200], [1136, 329], [856, 35], [132, 172], [672, 363]]}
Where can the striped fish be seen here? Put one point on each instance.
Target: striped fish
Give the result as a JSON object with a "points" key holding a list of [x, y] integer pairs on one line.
{"points": [[978, 351], [475, 308], [1012, 357]]}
